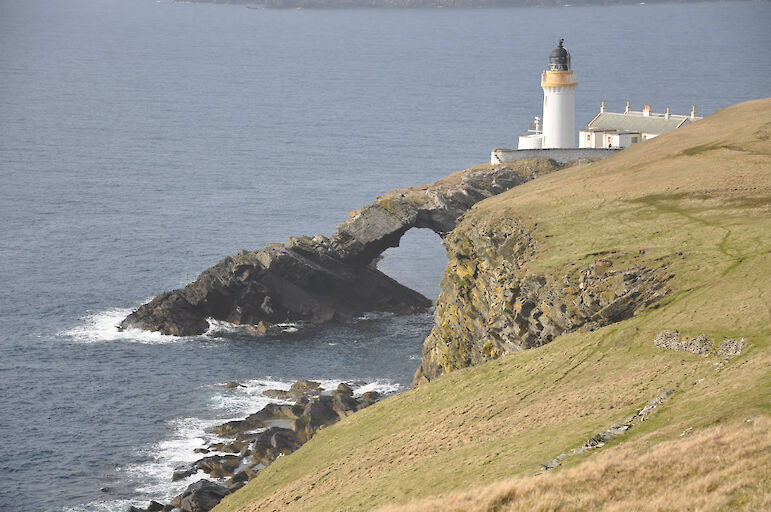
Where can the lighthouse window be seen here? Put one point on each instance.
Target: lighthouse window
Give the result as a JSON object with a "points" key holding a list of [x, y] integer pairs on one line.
{"points": [[545, 100]]}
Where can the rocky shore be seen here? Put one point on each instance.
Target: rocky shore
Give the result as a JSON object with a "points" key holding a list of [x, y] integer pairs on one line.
{"points": [[329, 279], [253, 443]]}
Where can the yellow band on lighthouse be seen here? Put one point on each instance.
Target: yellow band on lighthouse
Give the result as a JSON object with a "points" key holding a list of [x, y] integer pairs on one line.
{"points": [[558, 79]]}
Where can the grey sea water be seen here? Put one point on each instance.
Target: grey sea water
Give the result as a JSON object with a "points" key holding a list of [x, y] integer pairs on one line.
{"points": [[141, 141]]}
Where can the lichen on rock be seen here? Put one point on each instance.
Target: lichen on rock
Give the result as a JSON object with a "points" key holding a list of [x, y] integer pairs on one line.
{"points": [[490, 303]]}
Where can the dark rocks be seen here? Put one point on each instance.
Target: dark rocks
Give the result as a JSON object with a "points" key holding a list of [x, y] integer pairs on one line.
{"points": [[238, 480], [298, 390], [219, 466], [323, 279], [308, 284], [249, 452], [201, 496], [344, 389], [183, 472], [272, 443], [233, 384], [371, 396], [154, 506], [259, 420]]}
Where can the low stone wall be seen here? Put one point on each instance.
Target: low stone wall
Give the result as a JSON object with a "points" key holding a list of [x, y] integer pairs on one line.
{"points": [[500, 156]]}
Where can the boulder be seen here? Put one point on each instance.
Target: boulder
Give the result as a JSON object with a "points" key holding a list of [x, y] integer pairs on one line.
{"points": [[272, 443], [219, 466], [259, 419], [233, 384], [371, 396], [201, 496], [182, 472], [232, 447], [344, 404], [276, 394], [154, 506], [306, 387], [238, 480], [345, 389]]}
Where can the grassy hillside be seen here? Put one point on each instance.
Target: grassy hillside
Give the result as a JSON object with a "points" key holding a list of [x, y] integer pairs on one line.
{"points": [[474, 438]]}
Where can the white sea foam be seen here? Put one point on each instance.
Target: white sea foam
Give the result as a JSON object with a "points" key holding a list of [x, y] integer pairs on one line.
{"points": [[247, 398], [102, 326], [105, 505], [179, 450], [219, 327], [374, 315], [384, 387]]}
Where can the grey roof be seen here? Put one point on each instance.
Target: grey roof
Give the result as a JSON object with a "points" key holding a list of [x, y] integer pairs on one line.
{"points": [[635, 121]]}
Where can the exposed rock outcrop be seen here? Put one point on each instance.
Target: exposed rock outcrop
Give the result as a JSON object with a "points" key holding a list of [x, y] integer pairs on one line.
{"points": [[699, 345], [599, 439], [332, 279], [490, 304]]}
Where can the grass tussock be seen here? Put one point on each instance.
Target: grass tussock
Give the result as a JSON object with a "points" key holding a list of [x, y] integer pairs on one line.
{"points": [[720, 468]]}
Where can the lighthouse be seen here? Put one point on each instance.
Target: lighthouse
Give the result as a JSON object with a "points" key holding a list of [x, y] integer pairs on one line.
{"points": [[556, 128], [559, 101]]}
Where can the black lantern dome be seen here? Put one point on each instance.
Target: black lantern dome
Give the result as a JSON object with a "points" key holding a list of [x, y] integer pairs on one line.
{"points": [[559, 59]]}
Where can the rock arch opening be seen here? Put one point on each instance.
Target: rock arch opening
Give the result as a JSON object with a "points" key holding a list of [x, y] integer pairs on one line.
{"points": [[418, 262]]}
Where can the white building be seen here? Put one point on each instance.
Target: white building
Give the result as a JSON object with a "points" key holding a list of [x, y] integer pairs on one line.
{"points": [[559, 105], [620, 130]]}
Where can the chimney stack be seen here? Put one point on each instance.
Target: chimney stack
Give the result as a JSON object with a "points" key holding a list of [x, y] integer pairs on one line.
{"points": [[602, 107], [693, 112], [647, 110], [667, 115], [627, 107]]}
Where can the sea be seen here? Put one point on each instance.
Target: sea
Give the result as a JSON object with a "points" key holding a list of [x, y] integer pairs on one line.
{"points": [[141, 141]]}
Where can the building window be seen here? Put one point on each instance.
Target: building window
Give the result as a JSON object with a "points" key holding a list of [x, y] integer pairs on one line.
{"points": [[635, 140]]}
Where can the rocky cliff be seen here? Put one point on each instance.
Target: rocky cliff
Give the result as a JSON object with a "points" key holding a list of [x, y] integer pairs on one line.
{"points": [[490, 304], [322, 279]]}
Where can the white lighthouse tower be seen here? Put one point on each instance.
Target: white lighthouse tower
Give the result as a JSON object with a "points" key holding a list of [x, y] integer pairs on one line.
{"points": [[558, 124], [559, 101]]}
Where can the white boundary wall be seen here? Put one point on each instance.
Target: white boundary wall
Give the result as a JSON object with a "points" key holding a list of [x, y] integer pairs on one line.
{"points": [[562, 155]]}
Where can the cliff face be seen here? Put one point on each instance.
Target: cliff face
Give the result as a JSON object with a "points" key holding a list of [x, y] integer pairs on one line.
{"points": [[331, 279], [490, 304]]}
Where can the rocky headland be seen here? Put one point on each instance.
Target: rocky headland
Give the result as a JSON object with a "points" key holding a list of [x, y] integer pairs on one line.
{"points": [[329, 279], [613, 315]]}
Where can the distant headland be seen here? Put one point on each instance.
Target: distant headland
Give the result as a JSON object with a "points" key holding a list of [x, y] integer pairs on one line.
{"points": [[437, 4]]}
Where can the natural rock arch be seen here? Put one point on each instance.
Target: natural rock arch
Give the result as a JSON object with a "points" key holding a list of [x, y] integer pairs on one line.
{"points": [[333, 279]]}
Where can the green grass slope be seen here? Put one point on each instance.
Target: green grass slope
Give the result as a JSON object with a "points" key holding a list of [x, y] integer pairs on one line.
{"points": [[474, 439]]}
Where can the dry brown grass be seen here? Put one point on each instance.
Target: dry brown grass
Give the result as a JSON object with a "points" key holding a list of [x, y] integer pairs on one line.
{"points": [[720, 468]]}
